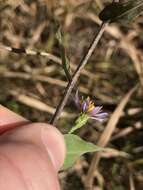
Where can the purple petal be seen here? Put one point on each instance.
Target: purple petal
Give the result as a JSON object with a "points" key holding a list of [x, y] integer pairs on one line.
{"points": [[96, 110], [100, 117], [97, 119], [84, 106]]}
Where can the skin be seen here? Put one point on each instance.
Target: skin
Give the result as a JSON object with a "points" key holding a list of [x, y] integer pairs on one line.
{"points": [[30, 153]]}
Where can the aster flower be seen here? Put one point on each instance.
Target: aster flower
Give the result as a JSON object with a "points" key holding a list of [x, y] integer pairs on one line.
{"points": [[86, 106], [87, 111]]}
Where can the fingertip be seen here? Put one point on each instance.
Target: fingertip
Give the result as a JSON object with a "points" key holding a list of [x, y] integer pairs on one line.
{"points": [[55, 145]]}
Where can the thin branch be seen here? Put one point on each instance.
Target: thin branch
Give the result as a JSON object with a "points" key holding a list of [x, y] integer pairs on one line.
{"points": [[31, 52], [44, 54], [76, 74]]}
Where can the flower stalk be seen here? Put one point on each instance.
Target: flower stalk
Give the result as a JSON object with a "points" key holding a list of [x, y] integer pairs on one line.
{"points": [[76, 74]]}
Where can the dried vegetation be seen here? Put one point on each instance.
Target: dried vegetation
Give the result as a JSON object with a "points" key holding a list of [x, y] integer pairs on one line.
{"points": [[32, 85]]}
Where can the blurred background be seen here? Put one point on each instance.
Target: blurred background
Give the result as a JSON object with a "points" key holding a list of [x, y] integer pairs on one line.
{"points": [[32, 85]]}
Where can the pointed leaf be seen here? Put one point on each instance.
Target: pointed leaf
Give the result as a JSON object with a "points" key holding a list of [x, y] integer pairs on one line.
{"points": [[65, 60], [76, 147]]}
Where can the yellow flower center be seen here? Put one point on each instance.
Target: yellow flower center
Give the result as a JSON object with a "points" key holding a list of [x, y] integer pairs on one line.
{"points": [[91, 106]]}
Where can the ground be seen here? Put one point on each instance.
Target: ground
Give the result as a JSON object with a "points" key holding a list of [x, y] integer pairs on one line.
{"points": [[32, 85]]}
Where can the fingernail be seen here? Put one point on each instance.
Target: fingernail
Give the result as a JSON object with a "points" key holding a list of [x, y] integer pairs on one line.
{"points": [[55, 145]]}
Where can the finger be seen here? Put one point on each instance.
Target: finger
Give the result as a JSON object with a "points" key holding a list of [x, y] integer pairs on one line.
{"points": [[24, 167], [45, 136], [9, 120]]}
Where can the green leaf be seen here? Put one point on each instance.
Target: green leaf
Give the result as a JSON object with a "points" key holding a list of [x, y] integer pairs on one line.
{"points": [[81, 121], [65, 60], [122, 12], [75, 148]]}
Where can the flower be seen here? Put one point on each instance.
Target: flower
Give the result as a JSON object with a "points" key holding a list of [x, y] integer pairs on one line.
{"points": [[87, 106]]}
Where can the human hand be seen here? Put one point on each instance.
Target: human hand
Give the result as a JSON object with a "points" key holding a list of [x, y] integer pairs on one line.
{"points": [[30, 153]]}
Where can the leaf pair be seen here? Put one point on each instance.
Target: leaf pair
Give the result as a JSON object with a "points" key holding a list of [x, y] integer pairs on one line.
{"points": [[122, 12]]}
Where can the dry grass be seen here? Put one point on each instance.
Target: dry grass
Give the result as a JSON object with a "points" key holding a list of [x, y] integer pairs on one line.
{"points": [[32, 85]]}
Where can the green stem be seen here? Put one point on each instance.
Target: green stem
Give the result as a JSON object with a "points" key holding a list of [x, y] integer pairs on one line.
{"points": [[80, 122]]}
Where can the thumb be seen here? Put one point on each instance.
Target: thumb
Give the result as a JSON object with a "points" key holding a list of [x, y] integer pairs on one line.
{"points": [[17, 128]]}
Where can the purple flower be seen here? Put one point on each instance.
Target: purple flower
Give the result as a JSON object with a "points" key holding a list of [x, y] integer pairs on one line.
{"points": [[87, 106]]}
